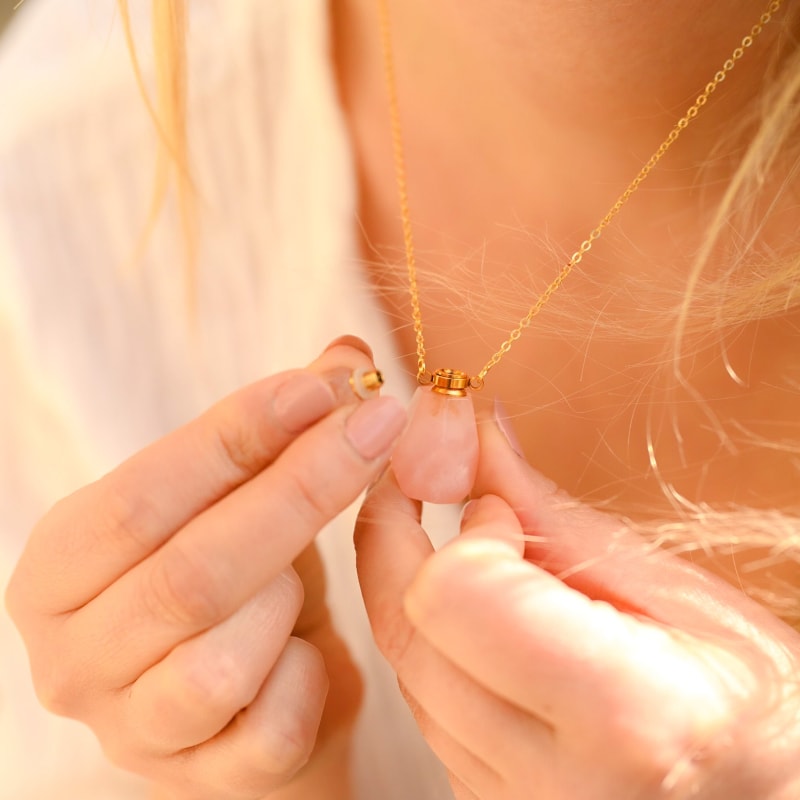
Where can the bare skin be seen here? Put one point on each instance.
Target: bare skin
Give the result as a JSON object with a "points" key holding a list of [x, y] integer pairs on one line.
{"points": [[203, 541], [513, 156], [632, 674], [227, 674]]}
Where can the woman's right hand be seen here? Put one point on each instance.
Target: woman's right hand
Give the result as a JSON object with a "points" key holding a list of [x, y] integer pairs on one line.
{"points": [[158, 604]]}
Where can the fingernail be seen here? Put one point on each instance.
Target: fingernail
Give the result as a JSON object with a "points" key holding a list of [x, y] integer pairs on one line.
{"points": [[468, 511], [301, 400], [351, 341], [501, 419], [374, 425], [350, 385]]}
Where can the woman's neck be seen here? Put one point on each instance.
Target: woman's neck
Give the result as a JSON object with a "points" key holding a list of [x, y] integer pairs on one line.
{"points": [[531, 117], [595, 85], [611, 63], [523, 121]]}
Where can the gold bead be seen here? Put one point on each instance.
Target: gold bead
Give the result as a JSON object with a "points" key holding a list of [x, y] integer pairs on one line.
{"points": [[451, 382]]}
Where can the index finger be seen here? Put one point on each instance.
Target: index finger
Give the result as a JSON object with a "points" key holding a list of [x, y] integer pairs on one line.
{"points": [[94, 536], [224, 556]]}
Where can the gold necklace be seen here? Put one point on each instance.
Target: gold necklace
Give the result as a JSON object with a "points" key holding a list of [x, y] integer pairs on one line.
{"points": [[451, 446]]}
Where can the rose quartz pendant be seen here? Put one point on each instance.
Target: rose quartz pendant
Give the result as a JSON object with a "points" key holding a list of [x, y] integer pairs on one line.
{"points": [[436, 458]]}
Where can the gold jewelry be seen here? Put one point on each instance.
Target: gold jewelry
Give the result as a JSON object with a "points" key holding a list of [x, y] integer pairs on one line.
{"points": [[364, 382], [436, 459], [476, 382]]}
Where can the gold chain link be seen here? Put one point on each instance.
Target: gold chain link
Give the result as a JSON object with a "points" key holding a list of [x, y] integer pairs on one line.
{"points": [[477, 381], [402, 186]]}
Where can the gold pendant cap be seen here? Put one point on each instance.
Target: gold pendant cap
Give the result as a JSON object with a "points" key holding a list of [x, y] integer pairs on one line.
{"points": [[365, 383], [451, 382]]}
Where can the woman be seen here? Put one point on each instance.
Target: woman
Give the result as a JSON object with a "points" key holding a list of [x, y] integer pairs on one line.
{"points": [[175, 606]]}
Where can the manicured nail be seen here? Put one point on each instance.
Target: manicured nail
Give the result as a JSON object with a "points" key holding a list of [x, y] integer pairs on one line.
{"points": [[501, 419], [374, 425], [301, 400], [351, 341]]}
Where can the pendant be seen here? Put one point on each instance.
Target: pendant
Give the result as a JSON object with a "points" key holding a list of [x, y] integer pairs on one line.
{"points": [[436, 458]]}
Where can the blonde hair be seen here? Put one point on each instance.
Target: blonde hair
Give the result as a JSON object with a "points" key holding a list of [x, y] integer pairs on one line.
{"points": [[753, 286], [169, 117]]}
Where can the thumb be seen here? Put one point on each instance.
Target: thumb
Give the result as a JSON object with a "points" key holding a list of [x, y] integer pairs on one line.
{"points": [[600, 556], [560, 530], [490, 517]]}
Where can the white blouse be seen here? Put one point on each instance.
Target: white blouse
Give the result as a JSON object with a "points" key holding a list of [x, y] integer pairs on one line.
{"points": [[96, 356]]}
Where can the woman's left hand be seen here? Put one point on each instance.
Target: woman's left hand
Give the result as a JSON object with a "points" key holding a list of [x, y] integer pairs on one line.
{"points": [[577, 663]]}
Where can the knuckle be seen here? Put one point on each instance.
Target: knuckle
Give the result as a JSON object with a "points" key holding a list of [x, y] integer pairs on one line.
{"points": [[394, 635], [57, 684], [111, 517], [217, 683], [284, 751], [127, 518], [181, 589], [274, 752], [271, 759], [313, 502], [283, 747], [239, 450], [107, 511]]}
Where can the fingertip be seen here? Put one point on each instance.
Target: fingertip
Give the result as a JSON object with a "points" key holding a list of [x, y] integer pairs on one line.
{"points": [[503, 472], [486, 509], [503, 422], [491, 517], [348, 366]]}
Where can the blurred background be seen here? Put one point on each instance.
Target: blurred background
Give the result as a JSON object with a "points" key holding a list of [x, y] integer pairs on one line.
{"points": [[6, 9]]}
